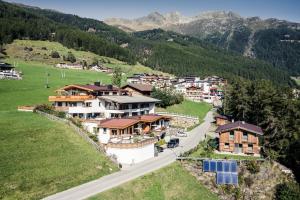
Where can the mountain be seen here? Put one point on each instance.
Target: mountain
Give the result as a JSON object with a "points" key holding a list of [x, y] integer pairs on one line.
{"points": [[275, 41], [154, 20], [166, 51]]}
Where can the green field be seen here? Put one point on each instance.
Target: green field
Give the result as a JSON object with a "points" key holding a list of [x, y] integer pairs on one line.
{"points": [[38, 156], [171, 182], [188, 108], [297, 80], [42, 50]]}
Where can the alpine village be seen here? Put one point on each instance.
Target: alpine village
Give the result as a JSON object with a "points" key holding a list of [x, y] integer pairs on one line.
{"points": [[159, 107]]}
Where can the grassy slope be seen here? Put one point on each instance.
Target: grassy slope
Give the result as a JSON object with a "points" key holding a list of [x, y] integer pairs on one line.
{"points": [[39, 156], [40, 55], [297, 80], [188, 108], [171, 182]]}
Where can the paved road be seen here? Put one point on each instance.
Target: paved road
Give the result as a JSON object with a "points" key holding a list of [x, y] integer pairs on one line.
{"points": [[129, 173]]}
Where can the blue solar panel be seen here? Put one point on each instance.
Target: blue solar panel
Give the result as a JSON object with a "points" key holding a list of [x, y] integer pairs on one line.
{"points": [[206, 165], [213, 166], [234, 178], [227, 178], [233, 166], [220, 178], [226, 166], [219, 166]]}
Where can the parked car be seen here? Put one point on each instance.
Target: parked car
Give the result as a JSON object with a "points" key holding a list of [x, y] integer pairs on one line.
{"points": [[159, 149], [181, 134], [174, 142]]}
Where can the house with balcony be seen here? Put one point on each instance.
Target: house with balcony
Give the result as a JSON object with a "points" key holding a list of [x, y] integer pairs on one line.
{"points": [[138, 89], [129, 139], [240, 138]]}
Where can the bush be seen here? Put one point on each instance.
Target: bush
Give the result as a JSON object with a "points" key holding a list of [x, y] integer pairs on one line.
{"points": [[70, 57], [44, 48], [55, 54], [167, 97], [45, 108], [60, 114], [248, 181], [287, 191], [253, 166], [94, 138]]}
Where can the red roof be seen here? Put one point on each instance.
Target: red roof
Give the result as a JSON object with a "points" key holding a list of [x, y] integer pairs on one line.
{"points": [[221, 117], [240, 125], [93, 88], [118, 123], [150, 117]]}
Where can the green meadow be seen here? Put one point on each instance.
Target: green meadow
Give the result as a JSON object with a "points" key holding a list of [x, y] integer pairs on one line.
{"points": [[40, 157], [171, 182]]}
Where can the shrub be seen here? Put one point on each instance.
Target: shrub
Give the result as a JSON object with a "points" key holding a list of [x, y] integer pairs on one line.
{"points": [[94, 138], [55, 54], [60, 114], [237, 193], [248, 181], [253, 166], [167, 97], [45, 108], [287, 191], [70, 57], [76, 121], [44, 48]]}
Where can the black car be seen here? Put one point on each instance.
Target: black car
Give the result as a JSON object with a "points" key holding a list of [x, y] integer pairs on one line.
{"points": [[174, 142]]}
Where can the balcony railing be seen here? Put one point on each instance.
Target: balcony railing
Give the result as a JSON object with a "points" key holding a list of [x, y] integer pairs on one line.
{"points": [[70, 98]]}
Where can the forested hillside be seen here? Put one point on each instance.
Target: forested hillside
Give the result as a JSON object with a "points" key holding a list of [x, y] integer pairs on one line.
{"points": [[166, 51]]}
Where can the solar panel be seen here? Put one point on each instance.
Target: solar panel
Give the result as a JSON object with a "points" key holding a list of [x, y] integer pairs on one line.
{"points": [[234, 178], [226, 166], [213, 166], [206, 165], [233, 166], [219, 166], [227, 178]]}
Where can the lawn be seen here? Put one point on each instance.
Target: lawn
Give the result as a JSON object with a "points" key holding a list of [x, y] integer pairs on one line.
{"points": [[171, 182], [38, 156], [197, 109]]}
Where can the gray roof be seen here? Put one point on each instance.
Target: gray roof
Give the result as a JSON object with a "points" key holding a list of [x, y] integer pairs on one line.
{"points": [[130, 99], [240, 125]]}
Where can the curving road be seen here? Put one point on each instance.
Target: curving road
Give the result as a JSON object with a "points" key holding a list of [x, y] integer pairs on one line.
{"points": [[131, 172]]}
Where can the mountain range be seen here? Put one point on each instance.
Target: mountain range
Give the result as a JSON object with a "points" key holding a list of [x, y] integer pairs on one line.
{"points": [[163, 50], [276, 41]]}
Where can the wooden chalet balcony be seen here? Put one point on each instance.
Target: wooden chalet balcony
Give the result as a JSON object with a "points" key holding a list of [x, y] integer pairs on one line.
{"points": [[70, 98]]}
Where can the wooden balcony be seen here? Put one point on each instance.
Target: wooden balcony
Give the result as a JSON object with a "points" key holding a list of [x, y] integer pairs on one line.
{"points": [[70, 98]]}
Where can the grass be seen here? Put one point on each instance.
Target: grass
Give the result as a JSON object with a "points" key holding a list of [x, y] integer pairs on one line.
{"points": [[31, 90], [38, 156], [41, 55], [171, 182], [196, 109], [297, 80]]}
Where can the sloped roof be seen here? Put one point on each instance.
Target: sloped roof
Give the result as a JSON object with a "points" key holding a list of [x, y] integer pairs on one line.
{"points": [[91, 88], [240, 125], [140, 87], [118, 123], [130, 99]]}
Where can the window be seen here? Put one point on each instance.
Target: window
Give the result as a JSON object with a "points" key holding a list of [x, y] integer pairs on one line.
{"points": [[104, 130], [226, 145], [114, 132], [231, 136], [59, 104], [88, 104], [250, 148], [245, 136]]}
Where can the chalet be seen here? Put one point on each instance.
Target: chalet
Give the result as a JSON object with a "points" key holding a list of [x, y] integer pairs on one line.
{"points": [[221, 120], [8, 72], [138, 89], [239, 137], [101, 68], [194, 93], [101, 101]]}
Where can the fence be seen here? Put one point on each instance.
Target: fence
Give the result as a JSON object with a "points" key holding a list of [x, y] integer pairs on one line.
{"points": [[78, 130]]}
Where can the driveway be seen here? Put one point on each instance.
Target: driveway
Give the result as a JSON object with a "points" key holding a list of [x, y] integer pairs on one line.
{"points": [[131, 172]]}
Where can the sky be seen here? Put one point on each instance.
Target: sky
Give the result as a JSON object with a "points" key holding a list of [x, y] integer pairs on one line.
{"points": [[100, 9]]}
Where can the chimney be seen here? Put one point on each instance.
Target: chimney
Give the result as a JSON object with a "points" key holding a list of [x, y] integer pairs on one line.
{"points": [[97, 83]]}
